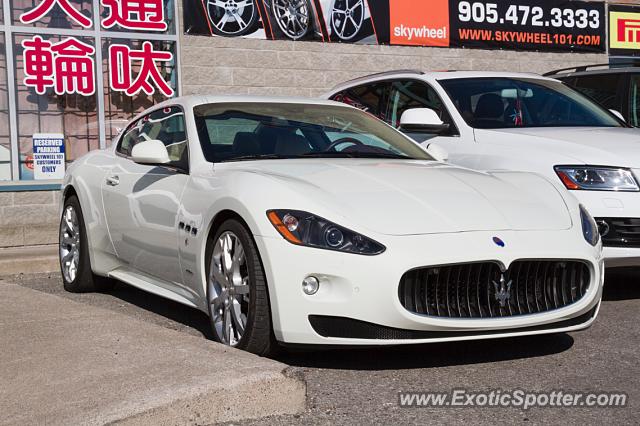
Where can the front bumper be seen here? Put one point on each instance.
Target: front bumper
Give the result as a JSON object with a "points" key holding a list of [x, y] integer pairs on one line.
{"points": [[611, 205], [365, 288]]}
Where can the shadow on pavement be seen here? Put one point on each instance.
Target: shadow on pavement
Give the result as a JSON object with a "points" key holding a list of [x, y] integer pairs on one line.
{"points": [[429, 355], [621, 284], [174, 311]]}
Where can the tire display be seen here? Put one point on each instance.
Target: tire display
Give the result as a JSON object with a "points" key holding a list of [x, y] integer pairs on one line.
{"points": [[232, 18], [347, 18], [292, 16]]}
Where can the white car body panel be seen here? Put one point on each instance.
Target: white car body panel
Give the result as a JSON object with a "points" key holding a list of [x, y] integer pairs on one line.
{"points": [[135, 236], [537, 150]]}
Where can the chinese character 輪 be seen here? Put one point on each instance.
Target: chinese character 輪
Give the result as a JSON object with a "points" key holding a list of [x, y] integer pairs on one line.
{"points": [[67, 66], [120, 64]]}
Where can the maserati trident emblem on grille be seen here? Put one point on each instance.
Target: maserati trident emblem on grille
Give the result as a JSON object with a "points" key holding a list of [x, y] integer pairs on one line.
{"points": [[503, 291]]}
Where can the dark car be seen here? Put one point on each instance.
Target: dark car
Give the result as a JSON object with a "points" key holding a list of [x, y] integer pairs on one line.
{"points": [[615, 86]]}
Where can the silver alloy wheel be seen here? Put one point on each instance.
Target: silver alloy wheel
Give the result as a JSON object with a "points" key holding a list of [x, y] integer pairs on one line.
{"points": [[347, 17], [69, 244], [292, 17], [228, 290], [226, 13]]}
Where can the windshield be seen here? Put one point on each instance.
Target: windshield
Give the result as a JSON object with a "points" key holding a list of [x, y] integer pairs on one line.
{"points": [[502, 103], [253, 131]]}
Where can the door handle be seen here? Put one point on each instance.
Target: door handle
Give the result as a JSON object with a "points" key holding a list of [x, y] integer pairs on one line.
{"points": [[113, 181]]}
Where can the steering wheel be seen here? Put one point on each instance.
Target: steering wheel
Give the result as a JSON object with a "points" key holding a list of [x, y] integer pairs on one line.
{"points": [[346, 139]]}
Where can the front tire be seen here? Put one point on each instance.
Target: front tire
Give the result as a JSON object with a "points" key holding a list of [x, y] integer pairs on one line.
{"points": [[237, 295], [75, 264]]}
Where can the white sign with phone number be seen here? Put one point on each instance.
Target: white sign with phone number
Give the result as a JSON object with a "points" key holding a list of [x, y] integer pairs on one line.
{"points": [[48, 156]]}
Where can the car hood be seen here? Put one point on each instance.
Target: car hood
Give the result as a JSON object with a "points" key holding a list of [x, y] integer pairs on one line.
{"points": [[615, 146], [418, 197]]}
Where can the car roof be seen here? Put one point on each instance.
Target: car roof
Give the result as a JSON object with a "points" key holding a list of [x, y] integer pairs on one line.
{"points": [[594, 69], [191, 101], [431, 75]]}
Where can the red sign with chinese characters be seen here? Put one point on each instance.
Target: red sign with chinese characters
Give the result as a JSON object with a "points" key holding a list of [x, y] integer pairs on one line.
{"points": [[68, 66]]}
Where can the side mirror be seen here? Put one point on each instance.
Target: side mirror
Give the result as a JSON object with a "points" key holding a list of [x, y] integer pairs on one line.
{"points": [[150, 152], [437, 152], [422, 120], [617, 114]]}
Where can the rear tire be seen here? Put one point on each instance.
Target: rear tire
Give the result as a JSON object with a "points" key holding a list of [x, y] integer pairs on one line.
{"points": [[237, 294], [75, 264]]}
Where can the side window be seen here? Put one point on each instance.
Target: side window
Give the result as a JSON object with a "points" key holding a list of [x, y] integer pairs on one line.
{"points": [[603, 88], [410, 94], [166, 125], [371, 98], [130, 137]]}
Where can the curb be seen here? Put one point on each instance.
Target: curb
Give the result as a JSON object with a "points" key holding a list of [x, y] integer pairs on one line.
{"points": [[65, 362], [34, 259]]}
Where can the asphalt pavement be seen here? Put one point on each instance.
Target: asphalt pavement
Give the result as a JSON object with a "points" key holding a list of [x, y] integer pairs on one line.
{"points": [[361, 386]]}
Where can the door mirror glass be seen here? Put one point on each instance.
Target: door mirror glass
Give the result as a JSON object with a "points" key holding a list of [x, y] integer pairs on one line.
{"points": [[437, 152], [422, 120], [150, 152]]}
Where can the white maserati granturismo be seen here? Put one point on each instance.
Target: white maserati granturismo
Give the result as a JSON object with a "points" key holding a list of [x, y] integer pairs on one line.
{"points": [[292, 221]]}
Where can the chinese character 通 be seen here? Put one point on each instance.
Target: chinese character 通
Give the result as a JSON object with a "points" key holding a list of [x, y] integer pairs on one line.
{"points": [[135, 14]]}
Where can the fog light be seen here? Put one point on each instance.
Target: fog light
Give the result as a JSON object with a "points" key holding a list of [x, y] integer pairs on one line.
{"points": [[310, 285]]}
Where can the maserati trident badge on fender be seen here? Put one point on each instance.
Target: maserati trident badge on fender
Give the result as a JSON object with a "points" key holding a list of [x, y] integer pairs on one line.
{"points": [[503, 291]]}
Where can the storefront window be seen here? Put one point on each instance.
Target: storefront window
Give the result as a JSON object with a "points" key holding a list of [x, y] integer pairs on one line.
{"points": [[5, 141], [161, 17], [73, 115], [119, 108], [59, 87], [65, 14]]}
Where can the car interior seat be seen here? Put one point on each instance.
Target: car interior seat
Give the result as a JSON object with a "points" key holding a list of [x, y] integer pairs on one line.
{"points": [[291, 145], [489, 111], [246, 143]]}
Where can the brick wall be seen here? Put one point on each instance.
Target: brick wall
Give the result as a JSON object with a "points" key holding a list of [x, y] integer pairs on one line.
{"points": [[28, 218], [216, 65]]}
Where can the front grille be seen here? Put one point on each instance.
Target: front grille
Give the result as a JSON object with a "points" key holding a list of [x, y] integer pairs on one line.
{"points": [[481, 290], [619, 231]]}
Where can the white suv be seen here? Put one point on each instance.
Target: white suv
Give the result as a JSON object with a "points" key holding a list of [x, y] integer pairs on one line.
{"points": [[517, 121]]}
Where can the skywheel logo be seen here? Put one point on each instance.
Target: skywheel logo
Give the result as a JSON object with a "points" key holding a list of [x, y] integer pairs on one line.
{"points": [[414, 24]]}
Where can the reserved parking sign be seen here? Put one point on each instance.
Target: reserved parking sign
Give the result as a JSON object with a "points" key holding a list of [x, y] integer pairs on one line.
{"points": [[48, 156]]}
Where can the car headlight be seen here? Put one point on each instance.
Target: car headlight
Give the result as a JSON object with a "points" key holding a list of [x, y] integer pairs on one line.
{"points": [[589, 227], [306, 229], [597, 178]]}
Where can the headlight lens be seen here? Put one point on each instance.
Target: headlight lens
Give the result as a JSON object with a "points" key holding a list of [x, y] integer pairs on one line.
{"points": [[306, 229], [597, 178], [589, 227]]}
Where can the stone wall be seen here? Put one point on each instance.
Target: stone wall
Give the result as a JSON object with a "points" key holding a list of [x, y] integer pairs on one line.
{"points": [[216, 65], [28, 218]]}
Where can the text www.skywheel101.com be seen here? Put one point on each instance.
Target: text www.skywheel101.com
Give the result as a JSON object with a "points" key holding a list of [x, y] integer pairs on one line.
{"points": [[513, 398]]}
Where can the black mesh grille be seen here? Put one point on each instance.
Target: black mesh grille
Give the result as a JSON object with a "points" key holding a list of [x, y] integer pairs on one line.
{"points": [[480, 290], [619, 231]]}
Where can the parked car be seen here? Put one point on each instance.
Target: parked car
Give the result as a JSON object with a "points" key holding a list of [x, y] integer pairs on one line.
{"points": [[615, 87], [519, 122], [311, 222]]}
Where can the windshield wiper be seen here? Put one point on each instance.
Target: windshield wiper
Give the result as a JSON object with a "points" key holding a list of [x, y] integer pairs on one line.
{"points": [[256, 157], [356, 154]]}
